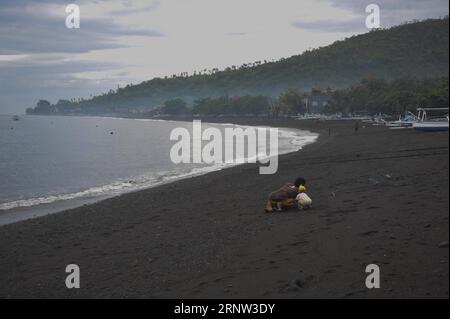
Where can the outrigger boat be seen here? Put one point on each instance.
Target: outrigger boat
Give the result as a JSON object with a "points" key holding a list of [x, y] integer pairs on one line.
{"points": [[405, 121], [427, 124]]}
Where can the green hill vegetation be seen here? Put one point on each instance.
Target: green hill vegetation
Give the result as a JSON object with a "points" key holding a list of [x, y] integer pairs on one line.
{"points": [[396, 97]]}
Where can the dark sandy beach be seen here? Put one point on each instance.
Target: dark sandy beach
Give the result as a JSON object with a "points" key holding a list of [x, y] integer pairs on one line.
{"points": [[381, 196]]}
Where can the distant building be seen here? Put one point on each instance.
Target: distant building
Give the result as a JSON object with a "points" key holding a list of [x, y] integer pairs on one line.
{"points": [[318, 100]]}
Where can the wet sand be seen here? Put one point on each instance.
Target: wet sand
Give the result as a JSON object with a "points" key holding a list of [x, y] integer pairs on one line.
{"points": [[380, 196]]}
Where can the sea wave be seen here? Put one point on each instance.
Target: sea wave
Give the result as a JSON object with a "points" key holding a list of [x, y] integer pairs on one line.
{"points": [[113, 189]]}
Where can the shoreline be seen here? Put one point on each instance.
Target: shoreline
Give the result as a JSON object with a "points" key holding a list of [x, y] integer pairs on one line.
{"points": [[23, 213], [208, 237]]}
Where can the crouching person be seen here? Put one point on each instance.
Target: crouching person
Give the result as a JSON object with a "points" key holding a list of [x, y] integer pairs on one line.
{"points": [[286, 197]]}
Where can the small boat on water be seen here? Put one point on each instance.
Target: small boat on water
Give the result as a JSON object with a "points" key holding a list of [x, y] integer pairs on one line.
{"points": [[428, 124], [16, 118]]}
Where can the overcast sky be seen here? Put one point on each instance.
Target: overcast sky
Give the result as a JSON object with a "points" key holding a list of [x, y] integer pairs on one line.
{"points": [[129, 41]]}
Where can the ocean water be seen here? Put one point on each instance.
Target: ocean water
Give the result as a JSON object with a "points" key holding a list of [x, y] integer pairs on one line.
{"points": [[52, 160]]}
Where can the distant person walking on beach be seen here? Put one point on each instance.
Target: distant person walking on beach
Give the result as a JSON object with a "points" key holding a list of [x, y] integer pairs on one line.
{"points": [[285, 197], [356, 126]]}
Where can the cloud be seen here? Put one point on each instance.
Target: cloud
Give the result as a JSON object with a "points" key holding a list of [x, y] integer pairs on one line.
{"points": [[130, 8], [26, 27], [435, 6], [237, 33], [392, 12], [47, 66], [346, 26], [395, 12]]}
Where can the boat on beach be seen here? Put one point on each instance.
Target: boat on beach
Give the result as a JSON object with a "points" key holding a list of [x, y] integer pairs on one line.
{"points": [[426, 123], [431, 126], [406, 121]]}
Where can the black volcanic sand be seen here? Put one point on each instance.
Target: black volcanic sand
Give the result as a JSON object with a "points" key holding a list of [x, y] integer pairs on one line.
{"points": [[381, 196]]}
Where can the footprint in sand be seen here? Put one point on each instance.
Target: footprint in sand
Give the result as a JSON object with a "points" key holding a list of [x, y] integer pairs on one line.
{"points": [[369, 233]]}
